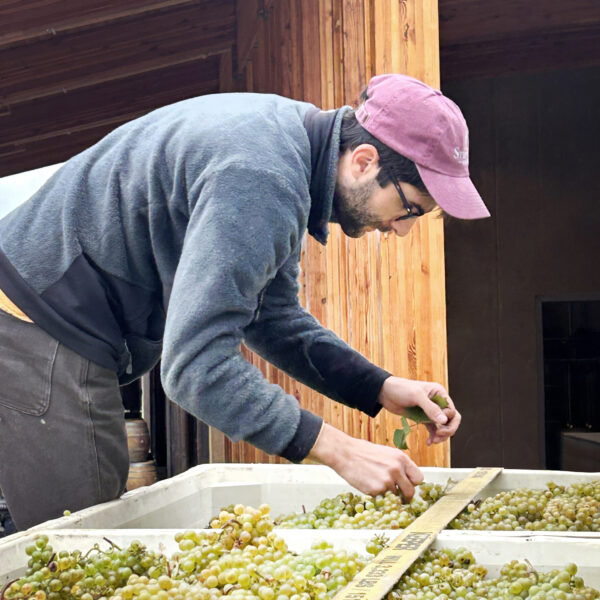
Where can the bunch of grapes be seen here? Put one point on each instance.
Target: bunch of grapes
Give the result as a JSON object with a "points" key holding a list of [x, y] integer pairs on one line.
{"points": [[317, 573], [262, 570], [445, 574], [244, 522], [77, 576], [243, 558], [555, 508], [360, 511], [234, 528], [162, 588]]}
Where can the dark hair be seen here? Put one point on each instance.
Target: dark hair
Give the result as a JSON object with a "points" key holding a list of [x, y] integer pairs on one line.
{"points": [[392, 164]]}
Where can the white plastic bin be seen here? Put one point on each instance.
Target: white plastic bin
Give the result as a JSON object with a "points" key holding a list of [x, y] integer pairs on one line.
{"points": [[491, 550], [189, 500]]}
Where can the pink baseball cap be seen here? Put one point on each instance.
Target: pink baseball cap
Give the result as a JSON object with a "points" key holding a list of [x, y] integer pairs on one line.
{"points": [[420, 123]]}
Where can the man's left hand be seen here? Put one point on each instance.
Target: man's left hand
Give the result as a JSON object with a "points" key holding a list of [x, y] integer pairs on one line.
{"points": [[398, 393]]}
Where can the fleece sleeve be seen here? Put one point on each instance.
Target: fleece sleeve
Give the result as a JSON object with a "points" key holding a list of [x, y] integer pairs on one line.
{"points": [[289, 337], [242, 228]]}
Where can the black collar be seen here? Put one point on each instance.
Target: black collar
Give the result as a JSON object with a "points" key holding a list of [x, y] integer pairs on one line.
{"points": [[323, 129]]}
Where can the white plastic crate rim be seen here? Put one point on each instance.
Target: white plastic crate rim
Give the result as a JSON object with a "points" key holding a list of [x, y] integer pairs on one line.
{"points": [[491, 550], [189, 500]]}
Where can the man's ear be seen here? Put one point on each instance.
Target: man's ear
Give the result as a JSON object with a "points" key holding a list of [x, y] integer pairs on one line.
{"points": [[364, 161]]}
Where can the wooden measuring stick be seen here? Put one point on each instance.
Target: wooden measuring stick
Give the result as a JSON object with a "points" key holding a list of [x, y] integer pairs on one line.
{"points": [[383, 572]]}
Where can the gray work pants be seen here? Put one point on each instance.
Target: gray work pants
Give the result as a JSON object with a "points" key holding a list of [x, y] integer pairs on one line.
{"points": [[63, 443]]}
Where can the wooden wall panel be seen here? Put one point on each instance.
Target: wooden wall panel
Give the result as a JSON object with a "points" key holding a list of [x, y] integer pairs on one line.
{"points": [[28, 18], [72, 71], [486, 39], [561, 49], [534, 158], [464, 21], [52, 129], [383, 295], [80, 56]]}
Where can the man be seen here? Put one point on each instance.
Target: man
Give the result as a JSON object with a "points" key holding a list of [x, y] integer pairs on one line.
{"points": [[178, 236]]}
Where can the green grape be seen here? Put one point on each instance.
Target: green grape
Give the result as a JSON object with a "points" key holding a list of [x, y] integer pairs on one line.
{"points": [[359, 511], [244, 558], [74, 576], [555, 508], [455, 574]]}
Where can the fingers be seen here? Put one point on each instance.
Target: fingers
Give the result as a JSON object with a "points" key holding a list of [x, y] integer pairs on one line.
{"points": [[410, 476], [439, 434], [454, 419], [371, 468], [435, 413], [440, 429], [432, 429], [450, 410], [413, 473], [405, 489]]}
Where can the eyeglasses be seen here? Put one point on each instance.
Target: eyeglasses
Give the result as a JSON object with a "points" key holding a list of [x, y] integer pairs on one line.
{"points": [[412, 210]]}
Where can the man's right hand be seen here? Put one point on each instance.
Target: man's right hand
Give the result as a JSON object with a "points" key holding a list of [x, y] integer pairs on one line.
{"points": [[371, 468]]}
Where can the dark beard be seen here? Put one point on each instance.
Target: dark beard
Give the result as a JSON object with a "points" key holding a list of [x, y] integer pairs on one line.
{"points": [[350, 209]]}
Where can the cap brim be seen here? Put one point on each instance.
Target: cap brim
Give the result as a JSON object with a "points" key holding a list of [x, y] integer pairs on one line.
{"points": [[455, 195]]}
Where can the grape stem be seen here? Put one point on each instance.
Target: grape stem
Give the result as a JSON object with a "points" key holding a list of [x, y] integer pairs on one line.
{"points": [[6, 587], [532, 570], [89, 551], [450, 483], [230, 524], [111, 543]]}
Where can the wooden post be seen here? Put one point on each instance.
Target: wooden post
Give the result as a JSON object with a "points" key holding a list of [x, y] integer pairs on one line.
{"points": [[383, 295]]}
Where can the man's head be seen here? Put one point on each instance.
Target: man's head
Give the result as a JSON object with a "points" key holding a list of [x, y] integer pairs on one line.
{"points": [[402, 153]]}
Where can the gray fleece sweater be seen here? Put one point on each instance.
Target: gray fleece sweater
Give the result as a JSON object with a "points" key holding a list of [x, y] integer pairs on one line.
{"points": [[178, 236]]}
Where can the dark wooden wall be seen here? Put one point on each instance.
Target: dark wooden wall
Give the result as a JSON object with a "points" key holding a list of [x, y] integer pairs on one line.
{"points": [[534, 157], [493, 37], [71, 71]]}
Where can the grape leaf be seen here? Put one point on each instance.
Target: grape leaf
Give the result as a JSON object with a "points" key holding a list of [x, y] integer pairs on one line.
{"points": [[400, 439], [400, 435], [416, 414]]}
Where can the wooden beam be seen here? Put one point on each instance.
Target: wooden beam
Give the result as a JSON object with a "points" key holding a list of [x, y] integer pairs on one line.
{"points": [[225, 72], [247, 19], [110, 102], [178, 439], [201, 443], [156, 404], [560, 50], [354, 53], [216, 443], [384, 296], [98, 54], [28, 22], [44, 132], [112, 78], [465, 21], [46, 150]]}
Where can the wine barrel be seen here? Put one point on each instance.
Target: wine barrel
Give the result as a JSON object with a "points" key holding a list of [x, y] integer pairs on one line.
{"points": [[141, 473], [138, 440]]}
